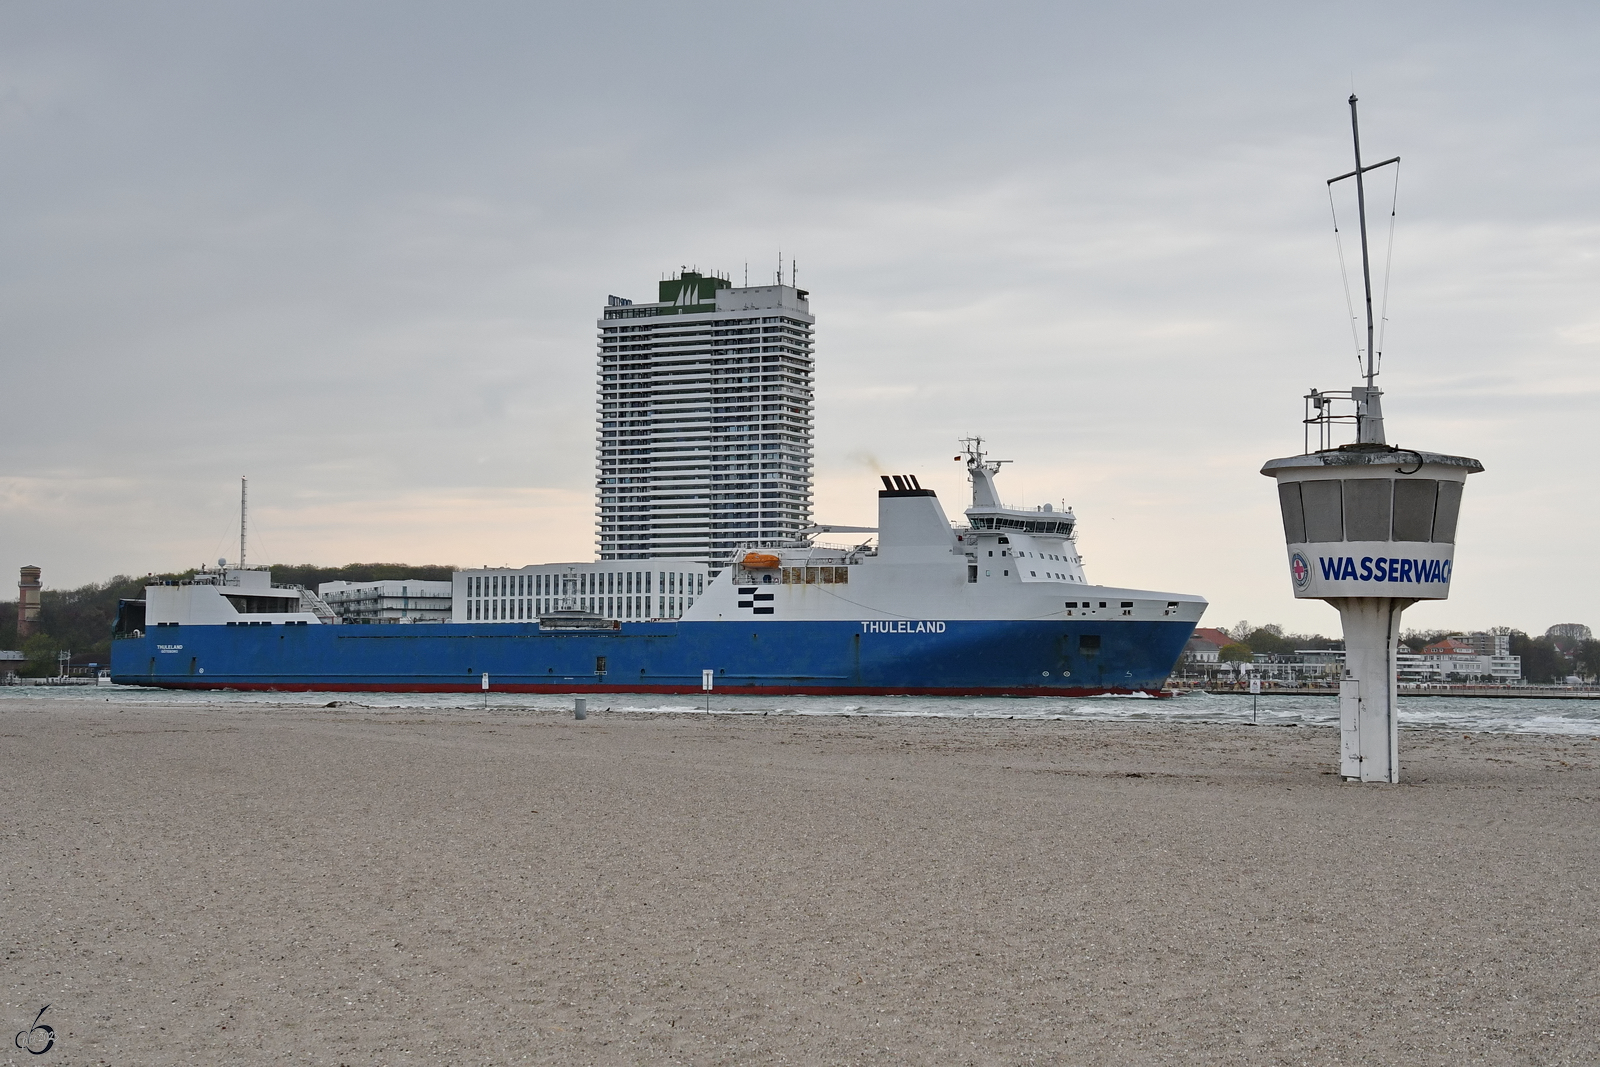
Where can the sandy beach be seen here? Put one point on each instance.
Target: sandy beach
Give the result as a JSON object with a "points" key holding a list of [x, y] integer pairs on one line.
{"points": [[228, 884]]}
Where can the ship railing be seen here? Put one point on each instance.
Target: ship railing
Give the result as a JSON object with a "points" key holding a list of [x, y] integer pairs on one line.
{"points": [[796, 546], [834, 546], [1021, 509], [798, 556]]}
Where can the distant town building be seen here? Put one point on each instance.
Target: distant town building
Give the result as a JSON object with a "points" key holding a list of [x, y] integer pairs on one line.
{"points": [[1474, 644], [397, 600], [1480, 657], [1206, 645], [10, 663], [28, 594], [1475, 657], [1487, 644]]}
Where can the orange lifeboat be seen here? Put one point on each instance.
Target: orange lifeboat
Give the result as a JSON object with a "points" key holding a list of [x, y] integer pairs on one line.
{"points": [[761, 560]]}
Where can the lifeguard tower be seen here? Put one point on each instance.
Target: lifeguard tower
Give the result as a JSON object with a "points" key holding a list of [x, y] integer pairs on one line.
{"points": [[1371, 529]]}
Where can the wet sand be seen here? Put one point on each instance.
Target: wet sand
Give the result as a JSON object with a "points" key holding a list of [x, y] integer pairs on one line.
{"points": [[252, 885]]}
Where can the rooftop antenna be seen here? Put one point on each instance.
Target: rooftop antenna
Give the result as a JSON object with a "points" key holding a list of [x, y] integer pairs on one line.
{"points": [[1367, 434], [244, 513], [747, 274]]}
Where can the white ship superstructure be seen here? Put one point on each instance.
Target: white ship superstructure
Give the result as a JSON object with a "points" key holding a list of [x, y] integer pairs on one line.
{"points": [[1005, 563], [232, 596], [391, 600]]}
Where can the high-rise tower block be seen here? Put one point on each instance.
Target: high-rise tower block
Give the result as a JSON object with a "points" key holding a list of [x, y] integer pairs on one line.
{"points": [[705, 420]]}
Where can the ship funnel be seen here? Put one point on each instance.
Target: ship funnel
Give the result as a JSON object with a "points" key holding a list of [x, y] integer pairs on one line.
{"points": [[911, 523]]}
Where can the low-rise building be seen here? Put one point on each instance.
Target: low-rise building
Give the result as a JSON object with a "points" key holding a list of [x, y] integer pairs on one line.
{"points": [[1478, 657], [621, 590], [394, 600], [1205, 645], [1310, 666]]}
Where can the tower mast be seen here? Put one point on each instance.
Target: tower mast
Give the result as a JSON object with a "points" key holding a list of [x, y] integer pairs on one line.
{"points": [[1369, 410], [244, 512], [1361, 210]]}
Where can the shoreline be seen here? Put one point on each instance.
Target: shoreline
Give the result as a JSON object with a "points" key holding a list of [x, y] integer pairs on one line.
{"points": [[1520, 692]]}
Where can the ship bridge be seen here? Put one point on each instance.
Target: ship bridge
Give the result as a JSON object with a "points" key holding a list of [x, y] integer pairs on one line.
{"points": [[1043, 521]]}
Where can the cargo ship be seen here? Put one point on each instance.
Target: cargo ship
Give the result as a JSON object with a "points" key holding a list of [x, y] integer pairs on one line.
{"points": [[996, 606]]}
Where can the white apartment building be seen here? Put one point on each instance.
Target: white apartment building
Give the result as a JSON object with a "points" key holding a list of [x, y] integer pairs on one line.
{"points": [[1501, 670], [1432, 667], [399, 600], [627, 592], [1427, 668], [705, 421]]}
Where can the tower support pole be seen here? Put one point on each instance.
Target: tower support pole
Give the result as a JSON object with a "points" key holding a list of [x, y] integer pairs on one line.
{"points": [[1369, 739]]}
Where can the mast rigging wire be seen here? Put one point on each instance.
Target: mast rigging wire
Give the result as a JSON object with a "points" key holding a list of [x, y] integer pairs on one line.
{"points": [[1388, 263], [1344, 275]]}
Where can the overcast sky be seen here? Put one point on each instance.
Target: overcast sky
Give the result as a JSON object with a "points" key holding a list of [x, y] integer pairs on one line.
{"points": [[356, 251]]}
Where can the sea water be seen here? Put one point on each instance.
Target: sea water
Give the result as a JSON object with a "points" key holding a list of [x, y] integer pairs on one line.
{"points": [[1518, 714]]}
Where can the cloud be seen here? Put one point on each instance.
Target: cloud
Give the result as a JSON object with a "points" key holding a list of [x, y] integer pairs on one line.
{"points": [[357, 253]]}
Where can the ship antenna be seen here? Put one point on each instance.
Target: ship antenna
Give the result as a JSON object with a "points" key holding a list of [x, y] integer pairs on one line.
{"points": [[244, 511], [1361, 209]]}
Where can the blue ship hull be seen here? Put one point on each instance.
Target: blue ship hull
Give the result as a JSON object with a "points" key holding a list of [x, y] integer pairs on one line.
{"points": [[964, 658]]}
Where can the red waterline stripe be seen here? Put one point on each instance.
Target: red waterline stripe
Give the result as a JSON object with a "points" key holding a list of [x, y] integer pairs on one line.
{"points": [[769, 690]]}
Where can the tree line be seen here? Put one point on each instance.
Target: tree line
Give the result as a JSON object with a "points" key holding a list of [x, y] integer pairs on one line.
{"points": [[80, 620]]}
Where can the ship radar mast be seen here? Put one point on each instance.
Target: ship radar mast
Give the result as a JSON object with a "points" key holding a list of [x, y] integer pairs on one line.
{"points": [[981, 471]]}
